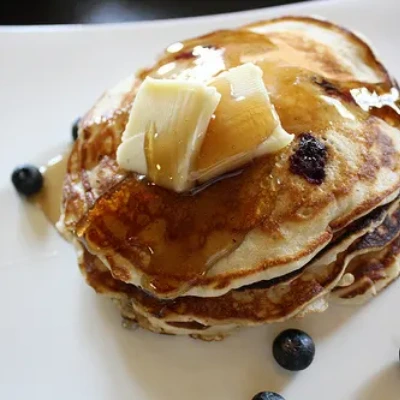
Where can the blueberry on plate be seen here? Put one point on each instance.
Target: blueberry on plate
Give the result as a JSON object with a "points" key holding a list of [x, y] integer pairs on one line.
{"points": [[75, 129], [293, 350], [27, 179], [268, 396]]}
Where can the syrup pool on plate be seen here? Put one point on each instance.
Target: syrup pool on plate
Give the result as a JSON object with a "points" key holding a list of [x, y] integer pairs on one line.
{"points": [[49, 198]]}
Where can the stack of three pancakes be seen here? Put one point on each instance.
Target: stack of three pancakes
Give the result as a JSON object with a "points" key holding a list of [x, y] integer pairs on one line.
{"points": [[282, 236]]}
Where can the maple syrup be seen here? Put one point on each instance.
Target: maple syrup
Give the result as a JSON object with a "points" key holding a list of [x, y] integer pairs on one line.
{"points": [[49, 198]]}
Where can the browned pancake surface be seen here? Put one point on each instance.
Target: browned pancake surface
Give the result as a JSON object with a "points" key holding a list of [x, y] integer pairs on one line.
{"points": [[173, 240]]}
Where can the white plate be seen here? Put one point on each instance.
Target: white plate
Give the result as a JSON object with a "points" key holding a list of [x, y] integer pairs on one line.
{"points": [[58, 340]]}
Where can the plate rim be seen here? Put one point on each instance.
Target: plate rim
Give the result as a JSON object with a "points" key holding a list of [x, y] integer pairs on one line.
{"points": [[166, 22]]}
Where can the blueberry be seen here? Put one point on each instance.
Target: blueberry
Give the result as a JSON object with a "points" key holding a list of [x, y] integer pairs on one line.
{"points": [[75, 128], [27, 179], [293, 350], [309, 159], [267, 396]]}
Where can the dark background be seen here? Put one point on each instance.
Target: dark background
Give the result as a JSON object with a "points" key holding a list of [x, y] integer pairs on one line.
{"points": [[25, 12]]}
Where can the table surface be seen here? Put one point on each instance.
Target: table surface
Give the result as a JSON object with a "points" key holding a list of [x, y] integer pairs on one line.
{"points": [[99, 11]]}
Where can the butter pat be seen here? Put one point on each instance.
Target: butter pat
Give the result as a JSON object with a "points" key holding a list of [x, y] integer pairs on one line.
{"points": [[166, 129], [181, 132], [246, 124]]}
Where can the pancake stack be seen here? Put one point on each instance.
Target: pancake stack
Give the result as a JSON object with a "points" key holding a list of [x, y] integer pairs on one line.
{"points": [[284, 235]]}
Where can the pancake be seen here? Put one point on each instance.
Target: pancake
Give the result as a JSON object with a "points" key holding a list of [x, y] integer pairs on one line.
{"points": [[376, 266], [328, 49], [208, 243], [278, 238], [364, 227], [270, 301], [371, 273]]}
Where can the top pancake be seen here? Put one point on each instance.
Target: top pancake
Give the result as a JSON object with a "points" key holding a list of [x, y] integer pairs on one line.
{"points": [[270, 218]]}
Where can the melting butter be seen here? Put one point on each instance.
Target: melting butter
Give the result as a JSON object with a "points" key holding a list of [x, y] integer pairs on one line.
{"points": [[245, 126], [165, 130], [181, 132]]}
